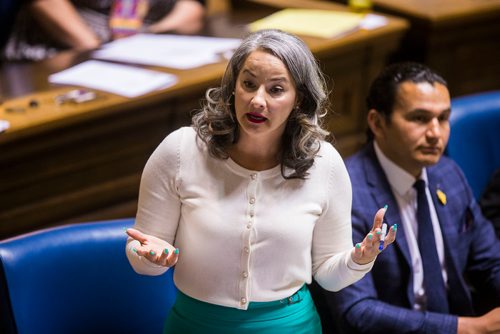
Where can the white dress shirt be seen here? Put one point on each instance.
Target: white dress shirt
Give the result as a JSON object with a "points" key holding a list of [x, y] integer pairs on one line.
{"points": [[246, 235], [401, 183]]}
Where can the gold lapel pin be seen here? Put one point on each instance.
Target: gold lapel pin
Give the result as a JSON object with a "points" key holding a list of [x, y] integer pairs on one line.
{"points": [[441, 196]]}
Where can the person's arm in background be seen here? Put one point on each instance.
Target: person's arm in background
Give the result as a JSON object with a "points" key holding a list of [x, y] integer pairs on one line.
{"points": [[62, 21], [185, 18]]}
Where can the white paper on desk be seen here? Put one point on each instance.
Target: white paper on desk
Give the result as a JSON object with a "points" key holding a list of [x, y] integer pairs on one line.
{"points": [[123, 80], [174, 51], [373, 21], [4, 125]]}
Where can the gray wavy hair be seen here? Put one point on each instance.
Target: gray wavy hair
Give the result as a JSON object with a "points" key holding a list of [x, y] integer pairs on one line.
{"points": [[216, 122]]}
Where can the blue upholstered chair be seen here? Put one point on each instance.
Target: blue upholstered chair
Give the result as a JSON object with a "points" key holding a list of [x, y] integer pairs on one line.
{"points": [[77, 279], [475, 137]]}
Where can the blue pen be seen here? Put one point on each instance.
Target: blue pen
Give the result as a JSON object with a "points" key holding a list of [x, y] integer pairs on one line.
{"points": [[382, 237]]}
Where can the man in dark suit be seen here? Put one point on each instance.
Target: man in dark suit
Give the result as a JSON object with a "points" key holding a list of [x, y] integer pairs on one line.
{"points": [[409, 108]]}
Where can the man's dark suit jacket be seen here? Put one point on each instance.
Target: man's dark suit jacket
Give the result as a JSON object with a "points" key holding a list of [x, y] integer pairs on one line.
{"points": [[382, 301]]}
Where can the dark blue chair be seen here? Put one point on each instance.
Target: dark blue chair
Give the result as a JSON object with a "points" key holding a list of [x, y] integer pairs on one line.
{"points": [[77, 279], [475, 137]]}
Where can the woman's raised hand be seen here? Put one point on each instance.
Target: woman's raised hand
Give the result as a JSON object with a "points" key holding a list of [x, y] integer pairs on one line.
{"points": [[154, 249], [375, 241]]}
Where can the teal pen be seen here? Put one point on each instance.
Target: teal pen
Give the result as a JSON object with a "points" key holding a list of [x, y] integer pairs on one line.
{"points": [[382, 236]]}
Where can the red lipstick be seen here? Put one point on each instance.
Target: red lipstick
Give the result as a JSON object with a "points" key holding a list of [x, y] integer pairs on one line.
{"points": [[255, 117]]}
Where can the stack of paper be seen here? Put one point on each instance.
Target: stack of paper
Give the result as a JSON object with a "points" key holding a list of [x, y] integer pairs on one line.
{"points": [[310, 22], [114, 78], [174, 51]]}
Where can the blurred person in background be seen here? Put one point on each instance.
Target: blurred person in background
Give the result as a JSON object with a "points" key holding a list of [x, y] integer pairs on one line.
{"points": [[44, 27]]}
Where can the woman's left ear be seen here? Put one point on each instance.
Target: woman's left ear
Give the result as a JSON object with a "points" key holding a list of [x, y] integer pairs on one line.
{"points": [[298, 101]]}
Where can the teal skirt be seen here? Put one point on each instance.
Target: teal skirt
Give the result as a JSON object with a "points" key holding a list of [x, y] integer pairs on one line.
{"points": [[295, 314]]}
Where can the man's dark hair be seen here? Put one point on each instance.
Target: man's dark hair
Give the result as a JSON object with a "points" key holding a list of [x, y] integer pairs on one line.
{"points": [[382, 93]]}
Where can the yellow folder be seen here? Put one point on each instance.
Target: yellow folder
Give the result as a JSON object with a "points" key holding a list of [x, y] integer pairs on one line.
{"points": [[311, 22]]}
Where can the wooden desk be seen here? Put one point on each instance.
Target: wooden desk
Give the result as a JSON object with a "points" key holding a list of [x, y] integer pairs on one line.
{"points": [[74, 163], [458, 38]]}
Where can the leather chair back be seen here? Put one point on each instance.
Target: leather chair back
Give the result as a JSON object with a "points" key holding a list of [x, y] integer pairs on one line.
{"points": [[475, 137], [77, 279]]}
